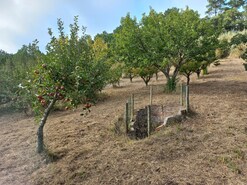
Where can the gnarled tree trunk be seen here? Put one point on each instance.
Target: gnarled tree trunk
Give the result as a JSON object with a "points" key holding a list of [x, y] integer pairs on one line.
{"points": [[40, 132]]}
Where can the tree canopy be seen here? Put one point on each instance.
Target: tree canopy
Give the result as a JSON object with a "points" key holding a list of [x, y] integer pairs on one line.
{"points": [[163, 40]]}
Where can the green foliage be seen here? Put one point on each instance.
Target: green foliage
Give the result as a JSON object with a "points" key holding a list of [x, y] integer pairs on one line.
{"points": [[228, 15], [13, 70], [215, 6], [129, 72], [234, 20], [165, 40], [239, 38], [232, 43], [223, 49], [115, 73], [244, 55], [146, 73], [171, 84], [108, 38], [235, 4], [190, 68], [72, 71], [129, 49]]}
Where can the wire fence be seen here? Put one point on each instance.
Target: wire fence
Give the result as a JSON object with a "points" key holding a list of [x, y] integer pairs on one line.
{"points": [[151, 105]]}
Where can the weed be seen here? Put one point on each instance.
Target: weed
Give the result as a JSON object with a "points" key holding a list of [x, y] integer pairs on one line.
{"points": [[239, 154], [230, 163], [51, 156]]}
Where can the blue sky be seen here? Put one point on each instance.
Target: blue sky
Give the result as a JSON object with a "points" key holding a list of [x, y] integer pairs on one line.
{"points": [[22, 21]]}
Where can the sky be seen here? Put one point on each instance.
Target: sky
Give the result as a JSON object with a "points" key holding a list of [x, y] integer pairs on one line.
{"points": [[23, 21]]}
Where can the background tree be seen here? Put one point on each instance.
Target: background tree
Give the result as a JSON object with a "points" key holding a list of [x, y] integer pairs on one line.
{"points": [[189, 68], [114, 65], [126, 45], [181, 34], [164, 40], [237, 4], [204, 53], [215, 7], [13, 70], [233, 20], [228, 15]]}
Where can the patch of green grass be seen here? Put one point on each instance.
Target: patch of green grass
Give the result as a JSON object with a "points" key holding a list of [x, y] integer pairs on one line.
{"points": [[231, 161], [239, 154]]}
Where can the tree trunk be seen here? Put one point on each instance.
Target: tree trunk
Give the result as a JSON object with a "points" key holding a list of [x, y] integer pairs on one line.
{"points": [[188, 79], [146, 80], [131, 77], [198, 73], [40, 135], [156, 76], [171, 84]]}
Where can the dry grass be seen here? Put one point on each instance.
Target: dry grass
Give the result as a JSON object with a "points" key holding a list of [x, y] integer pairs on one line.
{"points": [[208, 148], [228, 35]]}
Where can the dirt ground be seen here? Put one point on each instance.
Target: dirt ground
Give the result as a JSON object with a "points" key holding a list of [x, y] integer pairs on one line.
{"points": [[209, 147]]}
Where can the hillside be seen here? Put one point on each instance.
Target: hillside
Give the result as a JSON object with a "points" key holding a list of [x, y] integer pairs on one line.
{"points": [[209, 147]]}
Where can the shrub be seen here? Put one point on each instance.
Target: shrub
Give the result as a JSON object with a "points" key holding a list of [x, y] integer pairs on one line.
{"points": [[238, 39], [223, 50]]}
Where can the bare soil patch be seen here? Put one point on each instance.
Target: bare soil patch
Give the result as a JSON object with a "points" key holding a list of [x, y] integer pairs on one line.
{"points": [[207, 148]]}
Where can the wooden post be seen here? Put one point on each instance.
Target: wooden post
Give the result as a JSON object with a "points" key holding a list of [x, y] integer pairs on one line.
{"points": [[127, 117], [187, 98], [129, 107], [132, 107], [151, 95], [182, 95], [149, 120]]}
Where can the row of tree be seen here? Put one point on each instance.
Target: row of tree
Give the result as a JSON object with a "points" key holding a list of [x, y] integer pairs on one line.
{"points": [[76, 67], [165, 42]]}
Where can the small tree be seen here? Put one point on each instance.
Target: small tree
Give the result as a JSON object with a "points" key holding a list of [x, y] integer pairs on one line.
{"points": [[115, 73], [146, 73], [189, 68], [69, 73]]}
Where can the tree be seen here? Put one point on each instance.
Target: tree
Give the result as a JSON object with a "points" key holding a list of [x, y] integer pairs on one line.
{"points": [[107, 37], [70, 72], [215, 7], [107, 47], [236, 4], [228, 15], [131, 38], [204, 52], [181, 32], [165, 40], [189, 68], [115, 73], [233, 20], [99, 49], [126, 45], [146, 73]]}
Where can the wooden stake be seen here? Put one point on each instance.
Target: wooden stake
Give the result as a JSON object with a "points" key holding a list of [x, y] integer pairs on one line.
{"points": [[149, 120], [187, 98], [182, 95], [127, 117], [151, 95], [132, 107]]}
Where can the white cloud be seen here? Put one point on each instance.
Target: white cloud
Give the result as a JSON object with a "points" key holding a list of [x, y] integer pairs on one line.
{"points": [[22, 21], [17, 17]]}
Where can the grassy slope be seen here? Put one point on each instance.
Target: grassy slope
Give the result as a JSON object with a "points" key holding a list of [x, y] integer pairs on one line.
{"points": [[208, 148]]}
